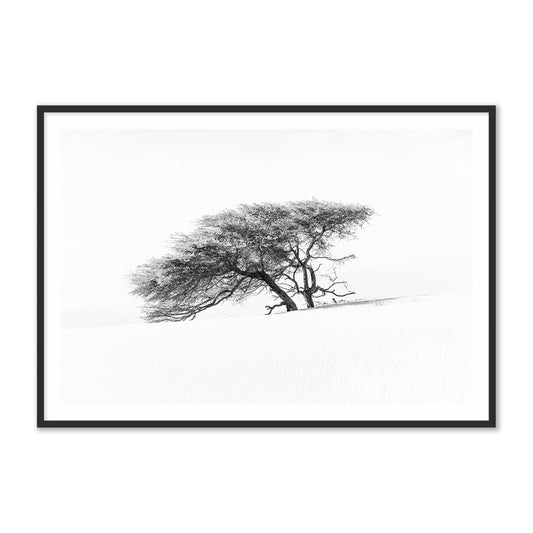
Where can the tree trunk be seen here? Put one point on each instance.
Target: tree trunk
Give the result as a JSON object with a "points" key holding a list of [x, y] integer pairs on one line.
{"points": [[308, 299], [285, 298], [309, 290]]}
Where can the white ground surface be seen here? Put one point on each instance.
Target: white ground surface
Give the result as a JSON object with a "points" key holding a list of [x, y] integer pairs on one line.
{"points": [[412, 350]]}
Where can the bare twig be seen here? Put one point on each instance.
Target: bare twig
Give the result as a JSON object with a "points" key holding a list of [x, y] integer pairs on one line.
{"points": [[271, 308]]}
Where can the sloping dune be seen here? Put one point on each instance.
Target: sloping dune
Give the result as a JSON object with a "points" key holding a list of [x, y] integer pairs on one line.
{"points": [[409, 350]]}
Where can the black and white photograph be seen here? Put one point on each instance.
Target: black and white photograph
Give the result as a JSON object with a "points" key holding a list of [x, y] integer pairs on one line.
{"points": [[266, 265]]}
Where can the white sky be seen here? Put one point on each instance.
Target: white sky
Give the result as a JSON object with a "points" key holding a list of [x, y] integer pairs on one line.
{"points": [[123, 192]]}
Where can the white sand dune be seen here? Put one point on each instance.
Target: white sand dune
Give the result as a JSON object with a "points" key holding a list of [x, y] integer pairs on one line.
{"points": [[408, 350]]}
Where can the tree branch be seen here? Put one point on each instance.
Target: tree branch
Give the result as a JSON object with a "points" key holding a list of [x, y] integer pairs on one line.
{"points": [[339, 260], [271, 308]]}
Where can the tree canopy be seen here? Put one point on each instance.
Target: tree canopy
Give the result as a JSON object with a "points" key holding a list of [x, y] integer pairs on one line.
{"points": [[251, 249]]}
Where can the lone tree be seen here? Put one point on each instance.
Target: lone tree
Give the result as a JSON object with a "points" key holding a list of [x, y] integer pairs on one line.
{"points": [[275, 248]]}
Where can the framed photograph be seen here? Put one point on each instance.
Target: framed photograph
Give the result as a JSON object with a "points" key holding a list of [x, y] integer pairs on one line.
{"points": [[266, 266]]}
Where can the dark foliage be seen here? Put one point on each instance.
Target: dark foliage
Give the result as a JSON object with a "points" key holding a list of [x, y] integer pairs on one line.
{"points": [[254, 248]]}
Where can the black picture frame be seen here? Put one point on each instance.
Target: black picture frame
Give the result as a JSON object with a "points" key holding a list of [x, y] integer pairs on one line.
{"points": [[43, 110]]}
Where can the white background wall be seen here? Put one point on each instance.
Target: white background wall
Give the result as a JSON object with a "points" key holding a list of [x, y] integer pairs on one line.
{"points": [[264, 480]]}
